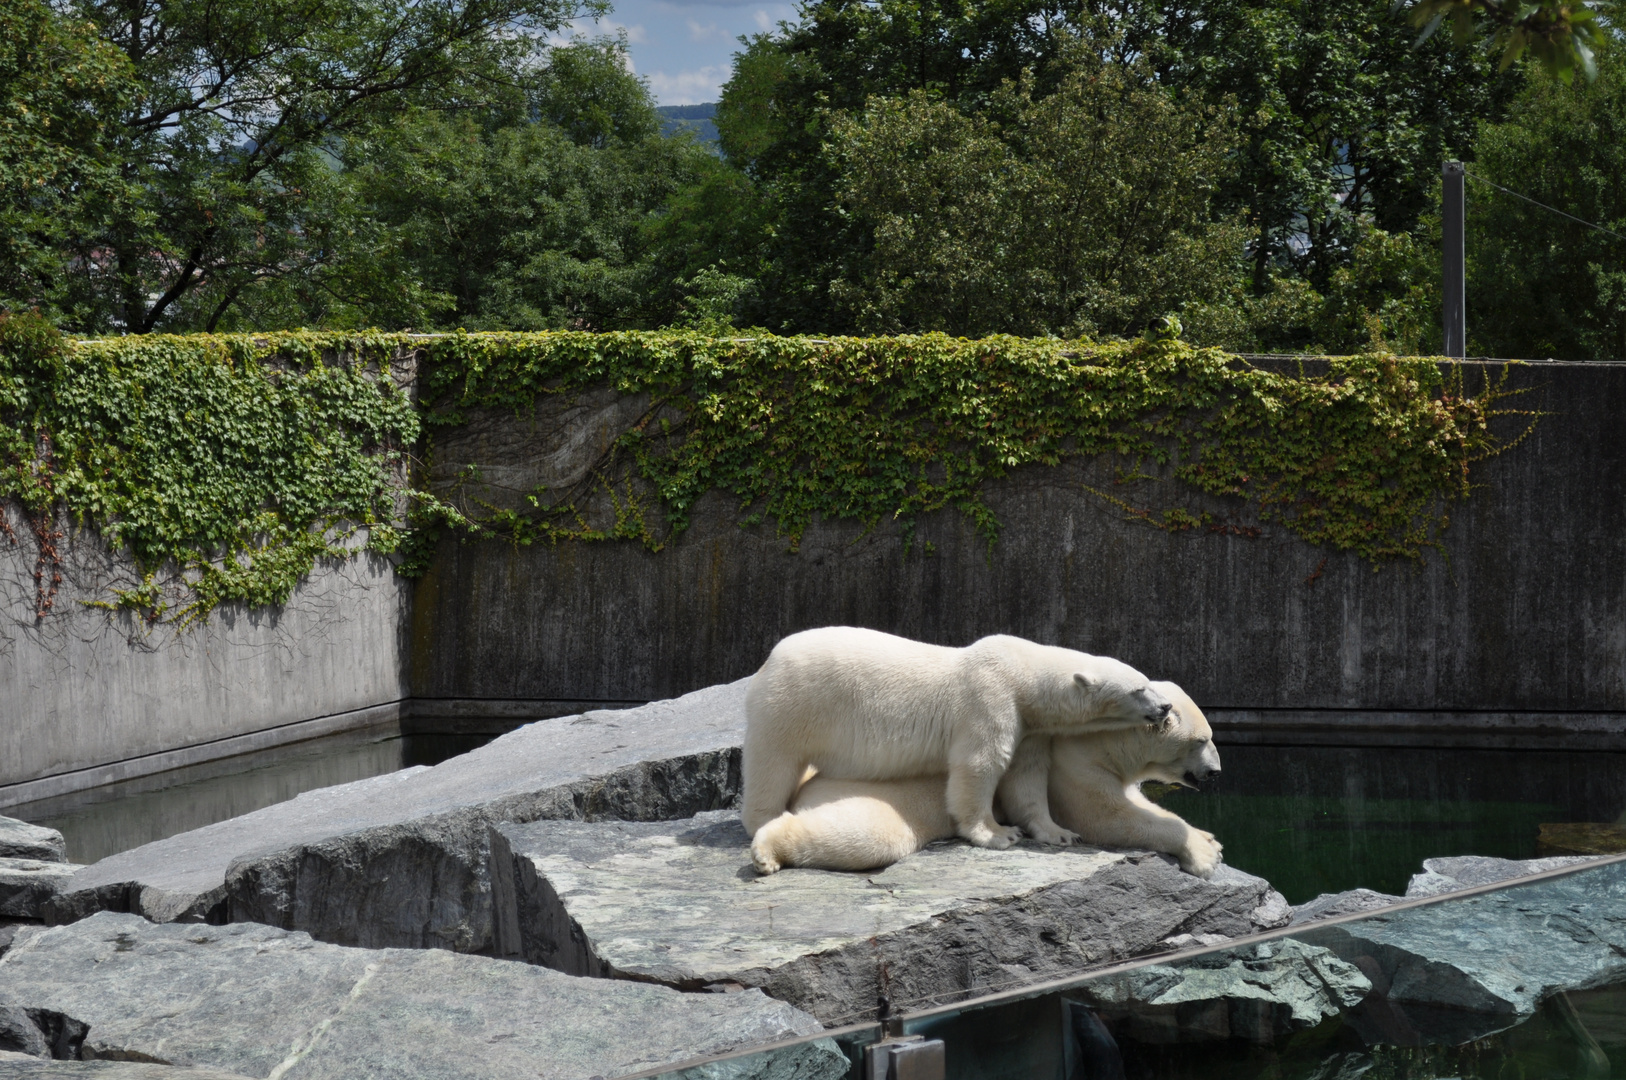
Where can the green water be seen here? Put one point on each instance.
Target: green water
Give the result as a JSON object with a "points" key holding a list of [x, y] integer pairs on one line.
{"points": [[1324, 819], [1309, 845]]}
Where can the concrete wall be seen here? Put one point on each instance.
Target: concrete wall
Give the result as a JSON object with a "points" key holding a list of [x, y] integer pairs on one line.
{"points": [[92, 696], [1519, 633]]}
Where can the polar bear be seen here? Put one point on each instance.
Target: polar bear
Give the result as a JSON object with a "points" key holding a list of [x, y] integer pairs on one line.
{"points": [[1094, 790], [858, 704]]}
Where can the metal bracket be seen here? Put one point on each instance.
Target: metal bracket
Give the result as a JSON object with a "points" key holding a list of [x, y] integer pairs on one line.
{"points": [[905, 1057]]}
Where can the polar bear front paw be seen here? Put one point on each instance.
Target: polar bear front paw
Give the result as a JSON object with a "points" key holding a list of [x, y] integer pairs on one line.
{"points": [[1201, 854], [997, 837]]}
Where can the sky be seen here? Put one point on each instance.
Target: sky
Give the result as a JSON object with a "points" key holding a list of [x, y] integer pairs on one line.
{"points": [[685, 48]]}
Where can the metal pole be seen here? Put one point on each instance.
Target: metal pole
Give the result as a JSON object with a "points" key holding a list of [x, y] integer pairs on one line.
{"points": [[1456, 261]]}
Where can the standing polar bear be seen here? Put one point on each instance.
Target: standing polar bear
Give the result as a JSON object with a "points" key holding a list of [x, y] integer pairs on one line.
{"points": [[1094, 790], [858, 704]]}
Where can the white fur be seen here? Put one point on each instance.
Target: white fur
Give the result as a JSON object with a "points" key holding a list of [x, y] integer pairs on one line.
{"points": [[862, 705], [1094, 786]]}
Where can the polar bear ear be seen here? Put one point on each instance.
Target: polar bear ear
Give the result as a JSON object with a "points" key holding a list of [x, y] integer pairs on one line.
{"points": [[1084, 681]]}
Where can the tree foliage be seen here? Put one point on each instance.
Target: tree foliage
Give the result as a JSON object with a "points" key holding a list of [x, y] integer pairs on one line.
{"points": [[1080, 213], [1540, 284]]}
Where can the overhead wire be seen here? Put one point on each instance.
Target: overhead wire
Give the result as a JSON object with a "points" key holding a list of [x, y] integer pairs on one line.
{"points": [[1544, 206]]}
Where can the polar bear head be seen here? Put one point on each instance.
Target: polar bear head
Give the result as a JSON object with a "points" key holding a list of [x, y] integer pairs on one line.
{"points": [[1183, 751], [1116, 691]]}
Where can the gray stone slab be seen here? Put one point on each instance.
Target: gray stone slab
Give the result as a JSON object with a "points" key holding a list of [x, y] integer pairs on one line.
{"points": [[677, 902], [1350, 902], [28, 885], [262, 1001], [400, 860], [1465, 871], [1466, 967], [1259, 993], [20, 840], [26, 1067]]}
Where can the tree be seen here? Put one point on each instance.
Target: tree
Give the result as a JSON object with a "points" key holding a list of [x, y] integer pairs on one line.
{"points": [[243, 108], [1082, 212], [1342, 116], [1539, 284], [59, 184]]}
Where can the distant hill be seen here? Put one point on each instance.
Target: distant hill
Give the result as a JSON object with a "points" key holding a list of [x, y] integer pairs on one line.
{"points": [[699, 119]]}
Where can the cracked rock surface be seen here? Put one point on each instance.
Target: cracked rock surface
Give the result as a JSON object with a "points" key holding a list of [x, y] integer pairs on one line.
{"points": [[1259, 993], [677, 902], [400, 860], [20, 840], [261, 1001]]}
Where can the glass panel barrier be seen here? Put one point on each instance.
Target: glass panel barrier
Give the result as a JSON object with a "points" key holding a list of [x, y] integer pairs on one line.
{"points": [[1519, 980]]}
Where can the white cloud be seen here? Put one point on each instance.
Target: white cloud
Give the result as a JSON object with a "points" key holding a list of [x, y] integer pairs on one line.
{"points": [[763, 22], [698, 32], [694, 87], [592, 28]]}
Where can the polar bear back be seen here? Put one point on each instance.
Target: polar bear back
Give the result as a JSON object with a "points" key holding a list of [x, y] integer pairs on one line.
{"points": [[859, 703]]}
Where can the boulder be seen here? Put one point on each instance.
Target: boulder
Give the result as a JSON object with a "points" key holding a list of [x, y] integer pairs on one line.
{"points": [[1466, 967], [28, 885], [400, 860], [1331, 905], [676, 902], [1465, 871], [262, 1001], [1258, 993], [20, 840]]}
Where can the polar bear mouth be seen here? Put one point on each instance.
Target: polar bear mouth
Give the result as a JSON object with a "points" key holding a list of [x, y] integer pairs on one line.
{"points": [[1190, 781]]}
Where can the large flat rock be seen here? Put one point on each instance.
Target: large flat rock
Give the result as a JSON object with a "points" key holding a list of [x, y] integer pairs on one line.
{"points": [[676, 902], [1451, 873], [400, 860], [262, 1002], [20, 840], [1466, 967]]}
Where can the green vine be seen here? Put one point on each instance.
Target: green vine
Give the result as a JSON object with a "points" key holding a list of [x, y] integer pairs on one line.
{"points": [[226, 466], [1364, 456]]}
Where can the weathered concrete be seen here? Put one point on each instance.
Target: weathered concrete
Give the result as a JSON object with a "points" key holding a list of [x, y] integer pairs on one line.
{"points": [[677, 902], [401, 859], [1520, 622], [28, 885], [1465, 871], [1465, 967], [1259, 993], [20, 840], [26, 1067], [95, 696], [266, 1002]]}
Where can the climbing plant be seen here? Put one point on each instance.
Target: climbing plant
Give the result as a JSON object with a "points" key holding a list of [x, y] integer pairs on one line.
{"points": [[224, 466], [227, 465], [1364, 453]]}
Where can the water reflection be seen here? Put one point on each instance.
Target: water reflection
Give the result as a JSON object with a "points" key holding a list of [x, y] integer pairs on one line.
{"points": [[121, 816]]}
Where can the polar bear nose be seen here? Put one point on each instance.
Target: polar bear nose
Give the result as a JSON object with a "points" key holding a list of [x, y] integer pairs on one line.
{"points": [[1162, 711]]}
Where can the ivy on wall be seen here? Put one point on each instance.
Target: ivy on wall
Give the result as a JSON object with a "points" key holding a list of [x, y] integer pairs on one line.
{"points": [[1363, 455], [224, 466], [230, 464]]}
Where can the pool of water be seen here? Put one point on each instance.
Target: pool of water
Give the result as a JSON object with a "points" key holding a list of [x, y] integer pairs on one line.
{"points": [[1324, 819], [107, 820]]}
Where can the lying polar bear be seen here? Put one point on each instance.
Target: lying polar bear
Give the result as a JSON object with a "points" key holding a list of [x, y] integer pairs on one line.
{"points": [[858, 704], [1094, 791]]}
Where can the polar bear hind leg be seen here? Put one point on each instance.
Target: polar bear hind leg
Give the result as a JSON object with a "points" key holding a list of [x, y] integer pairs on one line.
{"points": [[853, 824]]}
